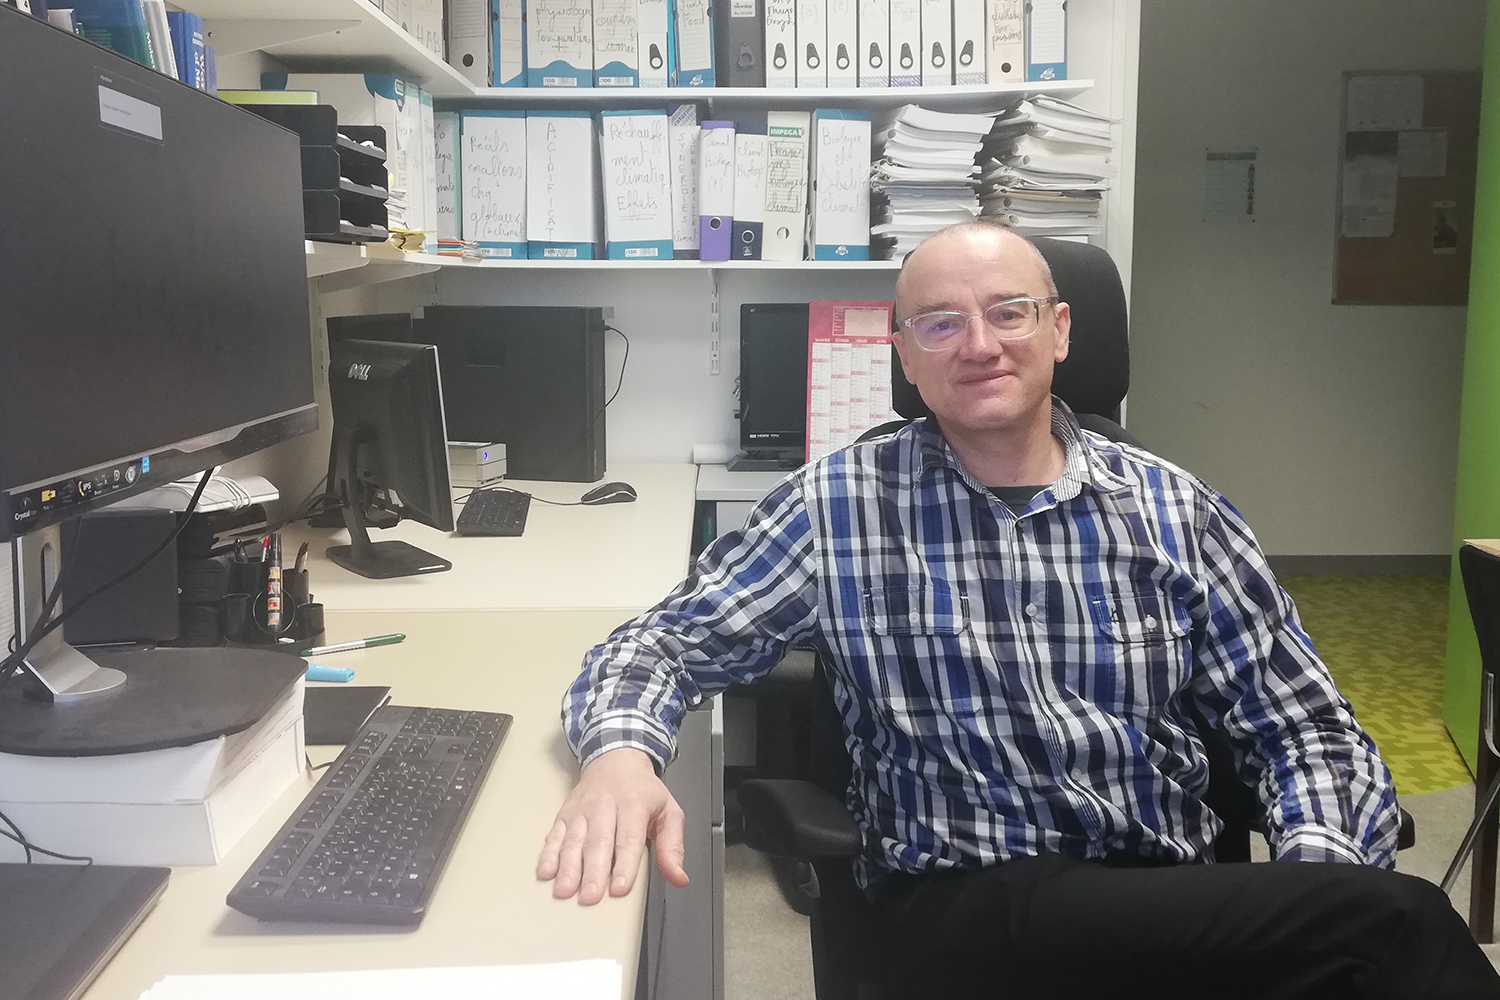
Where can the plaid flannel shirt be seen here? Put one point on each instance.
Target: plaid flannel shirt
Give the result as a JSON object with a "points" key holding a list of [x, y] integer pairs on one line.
{"points": [[1012, 685]]}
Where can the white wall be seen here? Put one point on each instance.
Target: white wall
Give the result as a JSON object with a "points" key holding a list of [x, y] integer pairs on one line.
{"points": [[1334, 429]]}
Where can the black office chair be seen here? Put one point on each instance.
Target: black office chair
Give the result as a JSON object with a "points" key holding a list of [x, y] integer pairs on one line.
{"points": [[1481, 575], [806, 819]]}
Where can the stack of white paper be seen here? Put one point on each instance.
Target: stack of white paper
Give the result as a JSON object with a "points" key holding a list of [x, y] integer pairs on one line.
{"points": [[924, 175], [594, 979], [1045, 167]]}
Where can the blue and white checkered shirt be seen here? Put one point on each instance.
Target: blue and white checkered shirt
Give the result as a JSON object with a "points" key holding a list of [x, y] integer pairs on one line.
{"points": [[1012, 685]]}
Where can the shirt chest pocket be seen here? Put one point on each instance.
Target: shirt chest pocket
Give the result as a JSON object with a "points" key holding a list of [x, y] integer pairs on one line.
{"points": [[923, 610], [1145, 636]]}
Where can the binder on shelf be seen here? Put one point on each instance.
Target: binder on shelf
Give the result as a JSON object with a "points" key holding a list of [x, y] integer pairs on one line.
{"points": [[508, 42], [937, 43], [841, 185], [873, 58], [654, 42], [1046, 40], [1005, 27], [739, 43], [616, 37], [635, 171], [471, 41], [188, 47], [785, 225], [447, 137], [117, 25], [843, 40], [969, 46], [746, 231], [693, 31], [812, 43], [781, 43], [682, 137], [906, 43], [559, 43], [562, 186], [715, 190], [426, 25], [428, 142], [492, 172]]}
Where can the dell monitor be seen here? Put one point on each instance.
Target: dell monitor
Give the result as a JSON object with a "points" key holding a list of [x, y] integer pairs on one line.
{"points": [[390, 452], [773, 386], [173, 338]]}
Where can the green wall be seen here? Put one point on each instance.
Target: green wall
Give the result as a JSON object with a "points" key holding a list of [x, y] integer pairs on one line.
{"points": [[1477, 510]]}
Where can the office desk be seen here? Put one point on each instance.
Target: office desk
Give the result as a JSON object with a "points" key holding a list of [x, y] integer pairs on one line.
{"points": [[504, 631]]}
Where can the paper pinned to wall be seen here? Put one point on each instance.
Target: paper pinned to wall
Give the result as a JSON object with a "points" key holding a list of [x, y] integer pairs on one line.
{"points": [[1229, 187], [1372, 176], [1385, 103], [1423, 152]]}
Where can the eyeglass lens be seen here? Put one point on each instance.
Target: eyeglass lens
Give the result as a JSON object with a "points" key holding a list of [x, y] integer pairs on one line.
{"points": [[1011, 320]]}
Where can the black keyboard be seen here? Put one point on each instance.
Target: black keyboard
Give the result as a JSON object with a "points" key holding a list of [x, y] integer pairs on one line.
{"points": [[368, 843], [494, 512]]}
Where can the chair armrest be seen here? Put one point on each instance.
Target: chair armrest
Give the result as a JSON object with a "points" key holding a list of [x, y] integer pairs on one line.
{"points": [[1408, 835], [797, 819]]}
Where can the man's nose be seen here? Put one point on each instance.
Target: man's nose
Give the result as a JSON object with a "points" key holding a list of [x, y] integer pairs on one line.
{"points": [[979, 340]]}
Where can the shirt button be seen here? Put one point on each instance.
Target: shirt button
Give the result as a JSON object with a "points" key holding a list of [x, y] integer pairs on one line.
{"points": [[913, 617], [1031, 611], [1151, 621]]}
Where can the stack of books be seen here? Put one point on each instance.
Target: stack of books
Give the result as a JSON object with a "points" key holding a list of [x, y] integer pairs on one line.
{"points": [[924, 177], [1046, 167]]}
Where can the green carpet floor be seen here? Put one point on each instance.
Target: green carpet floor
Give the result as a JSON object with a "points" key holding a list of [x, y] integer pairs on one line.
{"points": [[1383, 638]]}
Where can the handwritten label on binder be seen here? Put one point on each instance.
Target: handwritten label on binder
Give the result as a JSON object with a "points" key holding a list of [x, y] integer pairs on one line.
{"points": [[561, 165], [615, 38], [445, 132], [637, 199], [561, 31], [843, 160], [494, 174]]}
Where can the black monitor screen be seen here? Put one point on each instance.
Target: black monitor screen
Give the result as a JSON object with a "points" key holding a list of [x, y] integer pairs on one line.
{"points": [[773, 376], [153, 286]]}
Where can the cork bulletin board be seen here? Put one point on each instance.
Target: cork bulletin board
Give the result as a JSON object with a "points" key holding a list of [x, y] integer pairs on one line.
{"points": [[1408, 154]]}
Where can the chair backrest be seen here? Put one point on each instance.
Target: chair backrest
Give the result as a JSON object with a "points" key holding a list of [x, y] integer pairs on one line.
{"points": [[1096, 374], [1481, 575]]}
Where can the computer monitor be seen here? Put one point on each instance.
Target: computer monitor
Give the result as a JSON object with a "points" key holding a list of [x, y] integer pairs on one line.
{"points": [[172, 337], [394, 327], [773, 385], [390, 452]]}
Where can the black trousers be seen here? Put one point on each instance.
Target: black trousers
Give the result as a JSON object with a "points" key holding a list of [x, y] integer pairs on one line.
{"points": [[1054, 927]]}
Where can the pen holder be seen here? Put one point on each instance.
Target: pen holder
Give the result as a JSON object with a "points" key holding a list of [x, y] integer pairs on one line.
{"points": [[244, 612]]}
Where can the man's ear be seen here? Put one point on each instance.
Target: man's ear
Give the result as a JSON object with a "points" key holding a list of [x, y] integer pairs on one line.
{"points": [[899, 340], [1062, 328]]}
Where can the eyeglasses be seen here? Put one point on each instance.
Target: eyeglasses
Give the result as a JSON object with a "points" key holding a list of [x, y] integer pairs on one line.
{"points": [[1012, 319]]}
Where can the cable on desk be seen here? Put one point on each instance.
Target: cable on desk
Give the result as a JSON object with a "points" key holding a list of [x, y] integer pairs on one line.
{"points": [[29, 847]]}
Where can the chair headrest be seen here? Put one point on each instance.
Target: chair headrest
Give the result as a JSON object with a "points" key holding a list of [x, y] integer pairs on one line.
{"points": [[1096, 374]]}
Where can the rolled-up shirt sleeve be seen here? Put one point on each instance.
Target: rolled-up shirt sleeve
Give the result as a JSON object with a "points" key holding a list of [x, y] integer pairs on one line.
{"points": [[1327, 794], [751, 594]]}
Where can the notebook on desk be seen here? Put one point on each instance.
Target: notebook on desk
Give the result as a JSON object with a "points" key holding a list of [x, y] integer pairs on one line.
{"points": [[60, 924]]}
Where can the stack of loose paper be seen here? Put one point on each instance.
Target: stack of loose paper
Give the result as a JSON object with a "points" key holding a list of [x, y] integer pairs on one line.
{"points": [[1045, 168], [467, 249], [594, 979], [924, 176]]}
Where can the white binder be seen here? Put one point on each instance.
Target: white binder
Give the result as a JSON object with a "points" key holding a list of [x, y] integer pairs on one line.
{"points": [[428, 141], [968, 42], [843, 41], [906, 43], [748, 229], [937, 43], [446, 137], [616, 37], [693, 29], [508, 40], [781, 43], [812, 43], [469, 40], [874, 57], [1005, 31], [652, 49], [787, 138], [841, 185], [635, 172], [559, 43], [682, 140], [492, 169], [562, 185]]}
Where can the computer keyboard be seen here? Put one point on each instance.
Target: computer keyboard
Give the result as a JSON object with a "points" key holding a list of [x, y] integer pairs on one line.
{"points": [[494, 512], [369, 842]]}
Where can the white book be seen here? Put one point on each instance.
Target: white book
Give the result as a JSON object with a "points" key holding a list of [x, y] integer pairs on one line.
{"points": [[874, 57], [969, 43], [160, 36], [447, 133], [906, 43], [843, 41], [562, 186], [1005, 39], [616, 37], [781, 43], [812, 43], [937, 43], [635, 171], [653, 16], [787, 140], [492, 168], [469, 41], [682, 139]]}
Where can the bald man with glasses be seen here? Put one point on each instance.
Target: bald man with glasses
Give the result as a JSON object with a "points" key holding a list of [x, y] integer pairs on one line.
{"points": [[1015, 615]]}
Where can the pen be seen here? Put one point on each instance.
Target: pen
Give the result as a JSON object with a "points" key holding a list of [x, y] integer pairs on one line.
{"points": [[273, 584], [340, 647], [301, 558]]}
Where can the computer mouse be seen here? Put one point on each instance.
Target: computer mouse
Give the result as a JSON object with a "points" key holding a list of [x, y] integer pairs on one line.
{"points": [[609, 493]]}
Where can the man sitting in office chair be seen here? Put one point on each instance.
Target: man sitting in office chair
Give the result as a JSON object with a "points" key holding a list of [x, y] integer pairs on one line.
{"points": [[1013, 613]]}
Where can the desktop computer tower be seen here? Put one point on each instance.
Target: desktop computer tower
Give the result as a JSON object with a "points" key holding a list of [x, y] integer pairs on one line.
{"points": [[528, 377]]}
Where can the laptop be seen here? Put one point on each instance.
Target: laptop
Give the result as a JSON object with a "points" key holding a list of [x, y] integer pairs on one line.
{"points": [[61, 924]]}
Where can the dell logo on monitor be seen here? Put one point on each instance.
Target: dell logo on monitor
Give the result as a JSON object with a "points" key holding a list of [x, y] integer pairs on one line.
{"points": [[360, 372]]}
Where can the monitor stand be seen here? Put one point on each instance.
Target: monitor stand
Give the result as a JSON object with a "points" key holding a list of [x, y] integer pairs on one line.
{"points": [[766, 461], [67, 703], [379, 560]]}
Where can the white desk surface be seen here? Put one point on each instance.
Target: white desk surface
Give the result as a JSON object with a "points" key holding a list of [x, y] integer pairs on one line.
{"points": [[488, 909], [716, 482], [624, 556]]}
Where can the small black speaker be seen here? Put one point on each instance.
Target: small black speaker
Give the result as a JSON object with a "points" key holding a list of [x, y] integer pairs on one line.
{"points": [[99, 546]]}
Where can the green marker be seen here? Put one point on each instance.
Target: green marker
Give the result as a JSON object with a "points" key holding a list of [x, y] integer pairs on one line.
{"points": [[339, 647]]}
